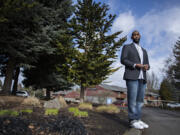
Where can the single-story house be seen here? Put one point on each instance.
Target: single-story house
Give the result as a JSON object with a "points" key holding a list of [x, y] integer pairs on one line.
{"points": [[103, 94], [99, 94]]}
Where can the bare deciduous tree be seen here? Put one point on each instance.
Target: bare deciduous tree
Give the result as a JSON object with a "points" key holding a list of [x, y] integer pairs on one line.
{"points": [[152, 82]]}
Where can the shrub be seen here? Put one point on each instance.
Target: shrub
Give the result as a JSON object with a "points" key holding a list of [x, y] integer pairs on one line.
{"points": [[31, 101], [38, 94], [77, 112], [62, 101], [86, 106], [81, 114], [26, 111], [14, 126], [73, 109], [51, 111], [2, 102], [66, 125], [108, 109], [9, 112]]}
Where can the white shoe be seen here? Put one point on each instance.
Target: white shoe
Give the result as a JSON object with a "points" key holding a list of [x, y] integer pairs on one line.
{"points": [[143, 124], [135, 124]]}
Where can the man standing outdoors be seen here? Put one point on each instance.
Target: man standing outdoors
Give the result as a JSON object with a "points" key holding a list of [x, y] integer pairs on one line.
{"points": [[136, 62]]}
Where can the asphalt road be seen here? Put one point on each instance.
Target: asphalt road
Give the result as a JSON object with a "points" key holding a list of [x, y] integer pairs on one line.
{"points": [[161, 122]]}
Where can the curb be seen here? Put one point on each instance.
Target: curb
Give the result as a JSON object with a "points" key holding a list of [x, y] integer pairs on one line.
{"points": [[133, 131]]}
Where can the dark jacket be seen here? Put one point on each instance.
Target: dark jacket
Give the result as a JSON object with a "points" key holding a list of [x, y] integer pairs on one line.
{"points": [[129, 57]]}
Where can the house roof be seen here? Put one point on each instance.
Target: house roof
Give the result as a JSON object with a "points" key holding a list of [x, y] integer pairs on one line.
{"points": [[100, 93], [73, 94], [98, 90], [95, 91], [113, 88]]}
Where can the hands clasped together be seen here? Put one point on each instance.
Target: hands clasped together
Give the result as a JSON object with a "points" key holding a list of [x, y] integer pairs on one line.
{"points": [[144, 67]]}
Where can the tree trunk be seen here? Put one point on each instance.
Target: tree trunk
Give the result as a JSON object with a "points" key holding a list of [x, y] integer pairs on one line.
{"points": [[82, 94], [15, 85], [48, 94], [8, 77]]}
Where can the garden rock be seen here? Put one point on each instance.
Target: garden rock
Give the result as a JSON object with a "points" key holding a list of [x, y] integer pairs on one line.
{"points": [[53, 104]]}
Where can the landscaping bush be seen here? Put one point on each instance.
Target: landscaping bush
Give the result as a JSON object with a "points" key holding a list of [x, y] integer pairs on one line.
{"points": [[55, 125], [108, 109], [31, 101], [51, 111], [86, 106], [69, 126], [14, 126], [77, 112], [73, 109], [26, 111], [2, 102], [62, 101], [8, 112], [39, 94], [81, 114]]}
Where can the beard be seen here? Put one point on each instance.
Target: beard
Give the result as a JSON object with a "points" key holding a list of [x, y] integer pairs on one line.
{"points": [[136, 40]]}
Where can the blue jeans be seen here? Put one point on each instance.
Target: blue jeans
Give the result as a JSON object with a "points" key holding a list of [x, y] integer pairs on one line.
{"points": [[135, 95]]}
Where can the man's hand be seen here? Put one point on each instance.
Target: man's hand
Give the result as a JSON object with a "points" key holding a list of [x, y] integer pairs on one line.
{"points": [[139, 65], [146, 67]]}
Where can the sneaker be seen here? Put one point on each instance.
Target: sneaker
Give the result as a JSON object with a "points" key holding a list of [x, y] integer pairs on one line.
{"points": [[135, 124], [143, 124]]}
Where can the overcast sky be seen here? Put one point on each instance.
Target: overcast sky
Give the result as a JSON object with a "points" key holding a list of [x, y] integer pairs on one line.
{"points": [[159, 24]]}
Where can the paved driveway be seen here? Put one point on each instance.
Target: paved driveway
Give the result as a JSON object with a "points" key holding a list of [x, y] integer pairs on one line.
{"points": [[161, 122]]}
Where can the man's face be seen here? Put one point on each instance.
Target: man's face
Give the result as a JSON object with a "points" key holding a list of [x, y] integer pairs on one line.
{"points": [[136, 37]]}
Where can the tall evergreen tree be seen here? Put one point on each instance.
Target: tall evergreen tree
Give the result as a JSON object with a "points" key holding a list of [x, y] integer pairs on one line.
{"points": [[176, 66], [20, 30], [0, 84], [27, 28], [173, 71], [95, 47], [165, 90], [51, 71]]}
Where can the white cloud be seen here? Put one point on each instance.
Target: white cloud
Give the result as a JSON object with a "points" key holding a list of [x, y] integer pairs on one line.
{"points": [[160, 27], [117, 77], [159, 31], [124, 22]]}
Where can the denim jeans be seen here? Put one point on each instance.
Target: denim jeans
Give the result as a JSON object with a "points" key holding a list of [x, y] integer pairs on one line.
{"points": [[135, 95]]}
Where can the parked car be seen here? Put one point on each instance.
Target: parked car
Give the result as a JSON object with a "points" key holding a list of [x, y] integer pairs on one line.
{"points": [[173, 105], [22, 93]]}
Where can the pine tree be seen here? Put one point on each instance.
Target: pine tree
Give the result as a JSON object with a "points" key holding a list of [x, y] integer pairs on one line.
{"points": [[165, 90], [0, 84], [20, 23], [95, 47], [27, 28], [50, 71], [176, 66], [173, 71]]}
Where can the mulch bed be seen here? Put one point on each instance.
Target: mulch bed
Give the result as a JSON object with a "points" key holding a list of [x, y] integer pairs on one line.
{"points": [[63, 124]]}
